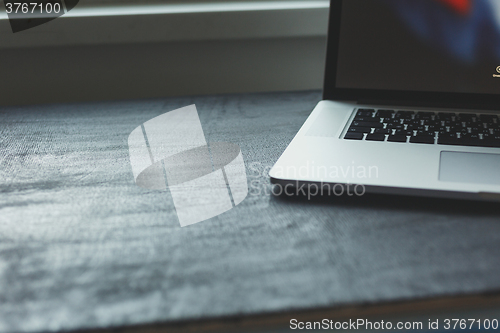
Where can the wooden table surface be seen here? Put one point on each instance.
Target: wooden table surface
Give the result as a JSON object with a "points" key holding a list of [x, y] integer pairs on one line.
{"points": [[83, 247]]}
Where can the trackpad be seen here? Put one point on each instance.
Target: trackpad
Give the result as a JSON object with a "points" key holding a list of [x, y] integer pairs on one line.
{"points": [[461, 167]]}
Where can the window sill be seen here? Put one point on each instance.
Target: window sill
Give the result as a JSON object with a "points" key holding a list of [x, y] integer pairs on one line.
{"points": [[168, 22]]}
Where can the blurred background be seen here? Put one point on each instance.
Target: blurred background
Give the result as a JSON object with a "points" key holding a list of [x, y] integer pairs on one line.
{"points": [[128, 49]]}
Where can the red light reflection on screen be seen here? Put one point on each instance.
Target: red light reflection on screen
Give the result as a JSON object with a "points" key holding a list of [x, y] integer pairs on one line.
{"points": [[461, 6]]}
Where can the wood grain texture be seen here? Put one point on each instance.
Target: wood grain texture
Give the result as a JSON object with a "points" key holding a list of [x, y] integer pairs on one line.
{"points": [[81, 246]]}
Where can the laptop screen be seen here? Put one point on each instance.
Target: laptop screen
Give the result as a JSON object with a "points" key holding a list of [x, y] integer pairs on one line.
{"points": [[420, 45]]}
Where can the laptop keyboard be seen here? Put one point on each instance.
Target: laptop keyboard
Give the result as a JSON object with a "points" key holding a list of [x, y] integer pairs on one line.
{"points": [[443, 128]]}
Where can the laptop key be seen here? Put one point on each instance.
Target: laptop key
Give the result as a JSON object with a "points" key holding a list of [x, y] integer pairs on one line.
{"points": [[488, 118], [467, 117], [396, 138], [359, 130], [433, 123], [384, 113], [397, 127], [369, 119], [424, 133], [404, 133], [382, 131], [424, 115], [425, 139], [470, 140], [354, 136], [392, 123], [450, 139], [365, 112], [375, 137], [471, 136], [371, 124], [445, 115], [484, 131]]}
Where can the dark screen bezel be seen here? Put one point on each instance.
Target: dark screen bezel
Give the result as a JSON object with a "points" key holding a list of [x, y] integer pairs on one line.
{"points": [[424, 98]]}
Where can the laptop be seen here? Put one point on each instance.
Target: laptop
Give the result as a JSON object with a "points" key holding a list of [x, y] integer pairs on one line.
{"points": [[411, 103]]}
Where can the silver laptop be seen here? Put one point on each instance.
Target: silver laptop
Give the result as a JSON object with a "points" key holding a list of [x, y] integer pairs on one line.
{"points": [[411, 103]]}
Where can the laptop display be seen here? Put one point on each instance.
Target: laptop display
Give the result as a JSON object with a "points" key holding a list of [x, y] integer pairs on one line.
{"points": [[420, 45]]}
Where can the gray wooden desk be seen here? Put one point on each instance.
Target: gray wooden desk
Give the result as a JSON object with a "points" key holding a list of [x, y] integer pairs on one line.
{"points": [[82, 247]]}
